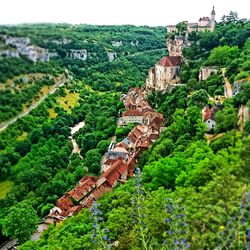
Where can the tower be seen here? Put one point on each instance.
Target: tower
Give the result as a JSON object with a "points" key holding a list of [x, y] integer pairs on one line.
{"points": [[212, 19]]}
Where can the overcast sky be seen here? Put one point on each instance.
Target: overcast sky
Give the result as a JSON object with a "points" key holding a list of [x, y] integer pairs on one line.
{"points": [[137, 12]]}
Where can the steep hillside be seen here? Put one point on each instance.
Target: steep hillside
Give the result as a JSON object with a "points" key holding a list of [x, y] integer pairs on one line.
{"points": [[36, 161], [191, 187], [84, 51]]}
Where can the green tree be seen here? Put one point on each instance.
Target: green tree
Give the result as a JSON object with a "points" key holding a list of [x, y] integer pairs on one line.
{"points": [[225, 119], [20, 222], [182, 27], [198, 98], [222, 55]]}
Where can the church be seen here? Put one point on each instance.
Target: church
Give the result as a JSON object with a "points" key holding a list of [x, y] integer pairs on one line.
{"points": [[204, 24]]}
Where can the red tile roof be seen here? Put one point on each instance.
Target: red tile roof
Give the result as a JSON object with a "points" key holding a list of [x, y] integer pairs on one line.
{"points": [[210, 113], [122, 145], [170, 61], [85, 185], [132, 112], [204, 19], [114, 172]]}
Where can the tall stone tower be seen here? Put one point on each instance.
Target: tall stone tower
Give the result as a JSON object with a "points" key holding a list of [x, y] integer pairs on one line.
{"points": [[213, 19]]}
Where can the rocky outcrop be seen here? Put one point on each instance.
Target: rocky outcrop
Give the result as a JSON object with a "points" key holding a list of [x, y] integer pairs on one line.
{"points": [[24, 47], [116, 43], [111, 55], [12, 53], [135, 43], [176, 45], [80, 54], [205, 72], [243, 116], [62, 41]]}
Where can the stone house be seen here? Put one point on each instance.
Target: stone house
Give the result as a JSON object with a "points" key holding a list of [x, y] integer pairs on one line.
{"points": [[205, 72], [131, 116], [117, 152], [165, 73]]}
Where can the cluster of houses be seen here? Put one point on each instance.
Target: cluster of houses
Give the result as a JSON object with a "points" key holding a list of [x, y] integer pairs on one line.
{"points": [[119, 161]]}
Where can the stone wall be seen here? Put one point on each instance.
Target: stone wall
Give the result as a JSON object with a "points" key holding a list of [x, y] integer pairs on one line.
{"points": [[205, 72]]}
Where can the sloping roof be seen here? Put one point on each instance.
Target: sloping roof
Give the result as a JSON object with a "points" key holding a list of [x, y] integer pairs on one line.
{"points": [[122, 144], [85, 185], [64, 203], [109, 161], [210, 113], [170, 61], [206, 18], [114, 172], [192, 24], [132, 112], [120, 149]]}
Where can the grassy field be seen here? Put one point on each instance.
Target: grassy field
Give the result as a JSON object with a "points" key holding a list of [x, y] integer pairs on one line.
{"points": [[5, 187], [22, 137], [52, 113], [69, 101]]}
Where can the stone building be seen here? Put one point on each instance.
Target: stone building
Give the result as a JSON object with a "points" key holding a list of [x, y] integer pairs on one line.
{"points": [[165, 74], [205, 72], [176, 45], [204, 24]]}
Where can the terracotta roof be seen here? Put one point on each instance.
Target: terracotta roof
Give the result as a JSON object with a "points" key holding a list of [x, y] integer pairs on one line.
{"points": [[122, 145], [144, 143], [109, 161], [112, 175], [209, 113], [64, 203], [170, 61], [132, 112], [85, 185], [120, 149]]}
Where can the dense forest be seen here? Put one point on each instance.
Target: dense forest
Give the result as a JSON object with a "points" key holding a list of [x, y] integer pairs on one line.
{"points": [[189, 190]]}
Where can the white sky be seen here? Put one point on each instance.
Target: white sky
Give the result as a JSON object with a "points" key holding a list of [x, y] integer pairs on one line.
{"points": [[137, 12]]}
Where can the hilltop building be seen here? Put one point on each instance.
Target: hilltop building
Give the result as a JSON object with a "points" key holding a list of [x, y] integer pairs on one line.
{"points": [[204, 24]]}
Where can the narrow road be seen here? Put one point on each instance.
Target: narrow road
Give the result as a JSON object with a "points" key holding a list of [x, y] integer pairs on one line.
{"points": [[9, 245], [60, 83]]}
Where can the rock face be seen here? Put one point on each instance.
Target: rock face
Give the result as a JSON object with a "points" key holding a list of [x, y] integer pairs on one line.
{"points": [[111, 55], [80, 54], [10, 53], [136, 43], [62, 41], [24, 47], [176, 46], [116, 43], [205, 72]]}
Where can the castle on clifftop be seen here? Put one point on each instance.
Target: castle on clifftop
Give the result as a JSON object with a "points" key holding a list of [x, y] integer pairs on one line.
{"points": [[165, 75], [204, 23]]}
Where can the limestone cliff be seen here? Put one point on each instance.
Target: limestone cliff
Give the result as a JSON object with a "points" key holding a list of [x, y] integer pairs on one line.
{"points": [[23, 46]]}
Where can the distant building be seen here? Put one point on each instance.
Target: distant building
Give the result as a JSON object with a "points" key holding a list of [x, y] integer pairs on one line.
{"points": [[204, 24]]}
